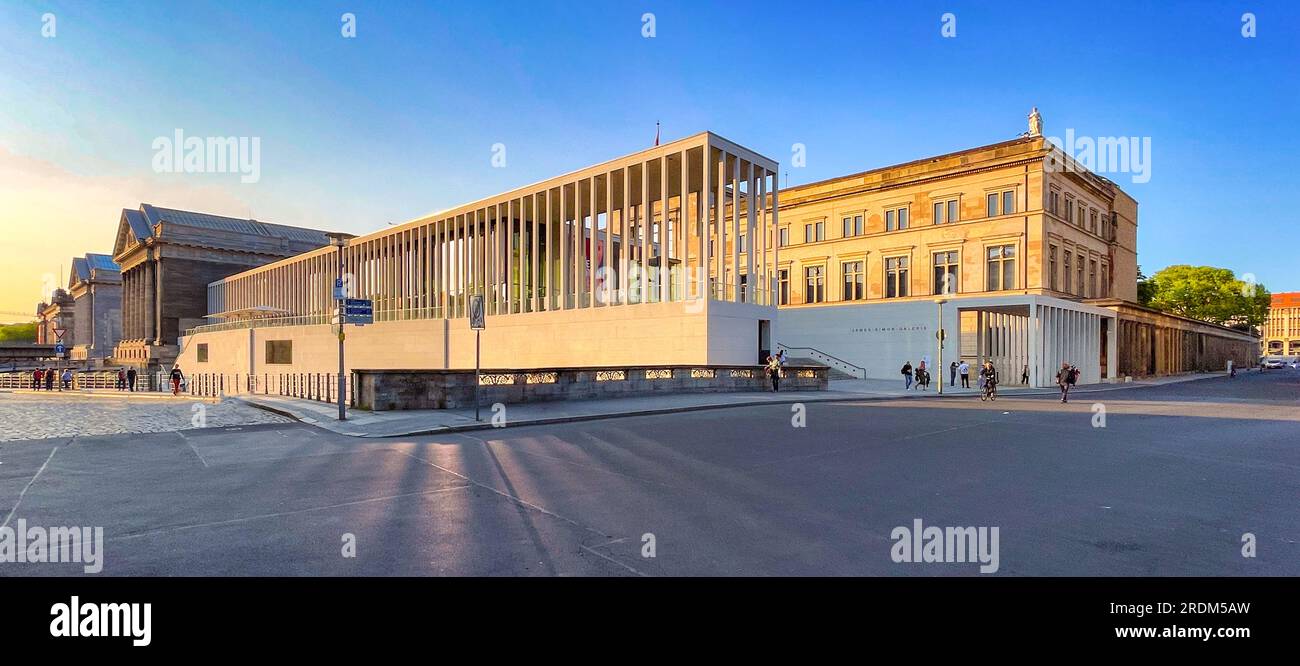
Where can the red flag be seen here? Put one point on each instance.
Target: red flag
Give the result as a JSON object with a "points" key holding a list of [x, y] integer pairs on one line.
{"points": [[656, 132]]}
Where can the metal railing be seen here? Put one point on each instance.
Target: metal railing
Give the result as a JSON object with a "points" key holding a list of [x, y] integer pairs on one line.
{"points": [[88, 380], [830, 361], [317, 386]]}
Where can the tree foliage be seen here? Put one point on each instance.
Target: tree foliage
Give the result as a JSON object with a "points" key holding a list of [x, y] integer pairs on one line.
{"points": [[18, 332], [1207, 293]]}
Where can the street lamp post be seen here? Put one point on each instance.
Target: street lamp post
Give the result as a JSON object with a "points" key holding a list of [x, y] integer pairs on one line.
{"points": [[340, 241], [940, 336]]}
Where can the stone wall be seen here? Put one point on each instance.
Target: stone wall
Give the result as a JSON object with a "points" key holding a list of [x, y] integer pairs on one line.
{"points": [[382, 390]]}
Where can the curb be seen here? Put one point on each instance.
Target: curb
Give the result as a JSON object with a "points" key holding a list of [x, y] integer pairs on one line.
{"points": [[555, 420]]}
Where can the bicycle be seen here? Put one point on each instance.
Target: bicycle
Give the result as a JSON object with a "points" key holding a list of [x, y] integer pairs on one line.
{"points": [[990, 391]]}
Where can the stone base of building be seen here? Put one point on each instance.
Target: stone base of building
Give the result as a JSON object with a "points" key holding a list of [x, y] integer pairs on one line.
{"points": [[382, 390], [143, 354], [1154, 343]]}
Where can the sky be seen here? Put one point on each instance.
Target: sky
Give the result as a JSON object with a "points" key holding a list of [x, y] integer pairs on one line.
{"points": [[405, 117]]}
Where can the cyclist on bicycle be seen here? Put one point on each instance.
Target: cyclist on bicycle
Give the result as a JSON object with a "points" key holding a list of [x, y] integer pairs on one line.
{"points": [[990, 376]]}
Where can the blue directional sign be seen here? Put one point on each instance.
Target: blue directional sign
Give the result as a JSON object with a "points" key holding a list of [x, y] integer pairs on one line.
{"points": [[358, 311], [339, 292], [60, 350]]}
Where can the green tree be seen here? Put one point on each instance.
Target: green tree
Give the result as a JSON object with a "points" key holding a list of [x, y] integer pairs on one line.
{"points": [[18, 332], [1209, 294], [1146, 288]]}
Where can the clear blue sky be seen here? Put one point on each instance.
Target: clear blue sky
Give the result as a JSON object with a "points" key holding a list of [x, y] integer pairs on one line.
{"points": [[400, 120]]}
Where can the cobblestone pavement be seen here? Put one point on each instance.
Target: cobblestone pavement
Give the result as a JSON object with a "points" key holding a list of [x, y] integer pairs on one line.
{"points": [[39, 417]]}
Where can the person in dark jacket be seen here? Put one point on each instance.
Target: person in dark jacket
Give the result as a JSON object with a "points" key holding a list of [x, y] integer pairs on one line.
{"points": [[49, 379], [121, 379], [952, 374], [907, 376], [130, 379], [1064, 381], [176, 379], [37, 375]]}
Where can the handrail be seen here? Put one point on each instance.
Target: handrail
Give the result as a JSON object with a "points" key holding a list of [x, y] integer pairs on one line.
{"points": [[841, 361]]}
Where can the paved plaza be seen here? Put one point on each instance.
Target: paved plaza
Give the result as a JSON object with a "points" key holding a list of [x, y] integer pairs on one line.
{"points": [[1168, 485], [34, 416]]}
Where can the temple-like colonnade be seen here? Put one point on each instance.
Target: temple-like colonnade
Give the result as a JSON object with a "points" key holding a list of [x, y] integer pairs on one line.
{"points": [[647, 228]]}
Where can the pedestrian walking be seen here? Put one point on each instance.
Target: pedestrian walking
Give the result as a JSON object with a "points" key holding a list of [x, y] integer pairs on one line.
{"points": [[964, 371], [907, 376], [67, 380], [49, 379], [130, 379], [121, 379], [922, 376], [774, 370], [1024, 375], [36, 379], [1064, 380], [177, 377], [952, 374]]}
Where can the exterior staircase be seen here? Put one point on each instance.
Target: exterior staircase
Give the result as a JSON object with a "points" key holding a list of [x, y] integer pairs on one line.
{"points": [[837, 368]]}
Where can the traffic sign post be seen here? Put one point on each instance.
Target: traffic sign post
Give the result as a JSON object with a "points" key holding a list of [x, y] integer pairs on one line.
{"points": [[477, 322]]}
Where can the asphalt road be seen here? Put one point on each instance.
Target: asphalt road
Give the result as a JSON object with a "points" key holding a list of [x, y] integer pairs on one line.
{"points": [[1168, 487]]}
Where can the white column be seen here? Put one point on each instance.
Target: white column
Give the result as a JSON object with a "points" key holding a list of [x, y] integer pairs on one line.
{"points": [[721, 234], [751, 205], [664, 235], [703, 259], [1035, 342], [592, 242], [625, 249], [735, 229], [645, 223], [565, 261]]}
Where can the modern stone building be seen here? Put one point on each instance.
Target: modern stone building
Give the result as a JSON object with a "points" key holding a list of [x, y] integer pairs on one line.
{"points": [[623, 263], [168, 257], [1024, 246], [95, 285], [1282, 330]]}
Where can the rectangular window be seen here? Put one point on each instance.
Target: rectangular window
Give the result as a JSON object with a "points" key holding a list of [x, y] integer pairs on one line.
{"points": [[854, 284], [279, 352], [1092, 278], [808, 236], [814, 232], [783, 287], [202, 353], [1092, 221], [1079, 261], [1105, 281], [1008, 202], [742, 246], [1053, 200], [859, 225], [852, 226], [896, 277], [896, 219], [938, 212], [1082, 217], [889, 220], [954, 212], [1069, 210], [783, 237], [1001, 269], [1051, 268], [945, 272], [814, 284], [1069, 272], [902, 218], [991, 208]]}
